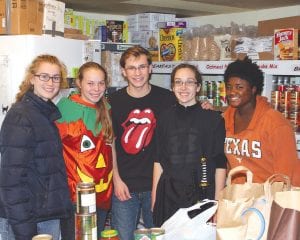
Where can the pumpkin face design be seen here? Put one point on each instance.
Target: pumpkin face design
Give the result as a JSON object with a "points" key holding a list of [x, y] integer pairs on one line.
{"points": [[88, 158]]}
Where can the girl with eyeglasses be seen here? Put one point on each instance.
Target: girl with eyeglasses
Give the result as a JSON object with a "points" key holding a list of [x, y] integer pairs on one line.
{"points": [[190, 163], [33, 191]]}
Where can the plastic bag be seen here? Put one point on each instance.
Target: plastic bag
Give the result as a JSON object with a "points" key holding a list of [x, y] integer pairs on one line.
{"points": [[182, 226]]}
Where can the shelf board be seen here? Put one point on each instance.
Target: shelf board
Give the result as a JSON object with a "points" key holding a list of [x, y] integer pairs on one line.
{"points": [[287, 67]]}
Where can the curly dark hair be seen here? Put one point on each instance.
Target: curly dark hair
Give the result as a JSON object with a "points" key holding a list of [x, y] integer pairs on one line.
{"points": [[246, 70]]}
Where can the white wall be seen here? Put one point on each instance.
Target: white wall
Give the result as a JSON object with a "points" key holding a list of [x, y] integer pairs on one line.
{"points": [[101, 16], [248, 18]]}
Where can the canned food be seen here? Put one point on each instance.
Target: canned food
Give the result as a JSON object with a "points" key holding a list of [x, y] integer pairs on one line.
{"points": [[86, 226], [42, 237], [285, 101], [295, 101], [156, 232], [142, 234], [109, 234], [275, 99], [86, 198]]}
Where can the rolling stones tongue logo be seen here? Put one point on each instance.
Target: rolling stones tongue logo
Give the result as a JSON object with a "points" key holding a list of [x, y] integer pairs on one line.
{"points": [[138, 130]]}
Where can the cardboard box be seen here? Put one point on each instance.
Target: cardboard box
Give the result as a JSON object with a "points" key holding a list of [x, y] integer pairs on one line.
{"points": [[286, 44], [26, 17], [267, 27], [170, 44], [2, 17], [53, 20]]}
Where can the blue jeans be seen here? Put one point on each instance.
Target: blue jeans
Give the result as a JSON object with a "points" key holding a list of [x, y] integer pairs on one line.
{"points": [[126, 214], [47, 227]]}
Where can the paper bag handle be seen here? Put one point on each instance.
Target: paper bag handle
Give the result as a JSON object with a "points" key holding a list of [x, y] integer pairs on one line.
{"points": [[239, 169], [274, 178]]}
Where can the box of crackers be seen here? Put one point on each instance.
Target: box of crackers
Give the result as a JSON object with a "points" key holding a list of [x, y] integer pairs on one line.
{"points": [[286, 44]]}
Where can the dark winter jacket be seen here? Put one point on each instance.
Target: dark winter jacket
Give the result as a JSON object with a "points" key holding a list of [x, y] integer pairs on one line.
{"points": [[33, 182]]}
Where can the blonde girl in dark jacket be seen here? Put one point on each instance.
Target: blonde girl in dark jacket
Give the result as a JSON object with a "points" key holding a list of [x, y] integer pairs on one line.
{"points": [[33, 184]]}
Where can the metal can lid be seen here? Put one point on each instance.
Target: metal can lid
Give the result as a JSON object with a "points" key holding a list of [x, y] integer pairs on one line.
{"points": [[142, 231], [109, 233], [85, 185], [42, 237], [157, 231]]}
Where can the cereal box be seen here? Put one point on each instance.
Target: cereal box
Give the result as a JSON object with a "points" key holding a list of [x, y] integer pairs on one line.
{"points": [[170, 44], [286, 44]]}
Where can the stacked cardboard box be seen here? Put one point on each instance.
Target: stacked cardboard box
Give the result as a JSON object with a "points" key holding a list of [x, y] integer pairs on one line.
{"points": [[32, 17], [26, 16]]}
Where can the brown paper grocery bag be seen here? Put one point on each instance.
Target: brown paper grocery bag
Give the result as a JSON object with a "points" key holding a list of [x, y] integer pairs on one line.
{"points": [[244, 209], [285, 216], [234, 200]]}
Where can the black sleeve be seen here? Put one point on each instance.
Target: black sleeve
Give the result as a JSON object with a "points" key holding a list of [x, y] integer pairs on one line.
{"points": [[219, 155], [17, 151]]}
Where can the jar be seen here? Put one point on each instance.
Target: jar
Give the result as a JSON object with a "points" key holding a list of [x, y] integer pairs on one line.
{"points": [[42, 237], [109, 234], [86, 198]]}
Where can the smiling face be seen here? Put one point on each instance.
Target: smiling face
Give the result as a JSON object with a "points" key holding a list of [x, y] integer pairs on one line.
{"points": [[239, 92], [185, 86], [46, 89], [137, 71], [92, 85]]}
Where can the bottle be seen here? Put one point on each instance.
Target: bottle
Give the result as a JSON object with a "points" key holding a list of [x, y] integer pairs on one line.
{"points": [[109, 234]]}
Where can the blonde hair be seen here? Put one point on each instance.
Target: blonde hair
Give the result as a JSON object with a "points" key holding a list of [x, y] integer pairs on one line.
{"points": [[102, 111], [26, 85]]}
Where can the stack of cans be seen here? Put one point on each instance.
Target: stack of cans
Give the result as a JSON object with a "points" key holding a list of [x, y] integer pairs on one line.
{"points": [[86, 216]]}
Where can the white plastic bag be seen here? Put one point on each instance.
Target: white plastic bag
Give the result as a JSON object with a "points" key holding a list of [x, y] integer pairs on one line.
{"points": [[181, 226]]}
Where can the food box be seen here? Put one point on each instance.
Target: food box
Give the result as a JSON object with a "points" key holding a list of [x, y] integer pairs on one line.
{"points": [[170, 44], [286, 44], [114, 30]]}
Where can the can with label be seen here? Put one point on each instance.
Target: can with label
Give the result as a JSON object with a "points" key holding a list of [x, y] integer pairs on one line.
{"points": [[42, 237], [156, 232], [275, 99], [86, 226], [142, 234], [86, 198]]}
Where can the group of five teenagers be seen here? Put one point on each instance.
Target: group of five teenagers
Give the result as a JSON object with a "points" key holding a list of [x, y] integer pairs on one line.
{"points": [[34, 193], [150, 142], [257, 136], [190, 164], [87, 137]]}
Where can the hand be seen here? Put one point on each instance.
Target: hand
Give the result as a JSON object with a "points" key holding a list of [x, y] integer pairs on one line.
{"points": [[121, 190], [207, 105]]}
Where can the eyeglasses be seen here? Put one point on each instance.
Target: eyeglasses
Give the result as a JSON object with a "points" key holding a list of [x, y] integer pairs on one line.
{"points": [[188, 83], [142, 67], [46, 77]]}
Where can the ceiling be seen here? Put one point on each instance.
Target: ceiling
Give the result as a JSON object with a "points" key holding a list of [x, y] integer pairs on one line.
{"points": [[182, 8]]}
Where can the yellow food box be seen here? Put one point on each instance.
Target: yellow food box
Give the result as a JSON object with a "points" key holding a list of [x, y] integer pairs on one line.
{"points": [[170, 44]]}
